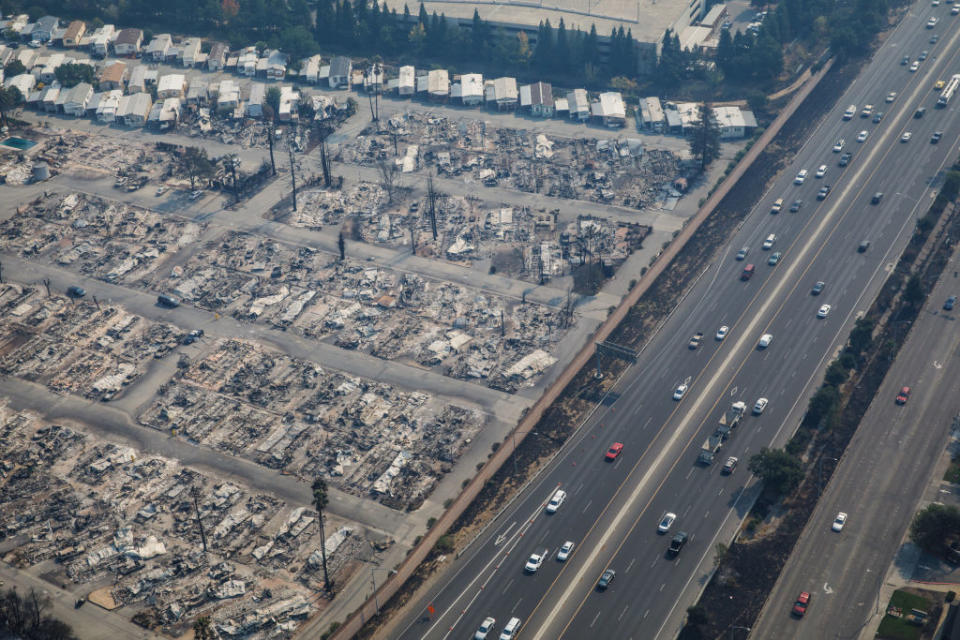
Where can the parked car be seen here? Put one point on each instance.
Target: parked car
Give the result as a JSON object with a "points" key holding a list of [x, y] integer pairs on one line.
{"points": [[76, 292]]}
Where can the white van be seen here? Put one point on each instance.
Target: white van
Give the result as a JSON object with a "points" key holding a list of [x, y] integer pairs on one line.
{"points": [[801, 176], [850, 112], [768, 243], [510, 631]]}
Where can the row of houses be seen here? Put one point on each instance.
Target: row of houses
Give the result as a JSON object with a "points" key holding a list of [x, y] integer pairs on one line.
{"points": [[680, 117]]}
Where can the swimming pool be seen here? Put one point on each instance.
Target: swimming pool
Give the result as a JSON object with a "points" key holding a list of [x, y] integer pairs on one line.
{"points": [[20, 144]]}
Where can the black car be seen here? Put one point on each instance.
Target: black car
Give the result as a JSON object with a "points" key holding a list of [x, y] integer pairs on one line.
{"points": [[76, 292], [796, 206], [877, 197], [677, 544], [817, 288], [606, 579], [877, 117], [845, 159], [935, 138], [863, 246], [919, 112], [950, 302], [822, 194], [905, 60]]}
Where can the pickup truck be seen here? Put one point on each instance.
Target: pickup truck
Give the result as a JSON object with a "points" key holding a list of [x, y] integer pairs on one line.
{"points": [[695, 340]]}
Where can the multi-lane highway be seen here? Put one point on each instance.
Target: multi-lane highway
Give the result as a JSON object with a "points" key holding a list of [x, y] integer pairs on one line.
{"points": [[612, 509]]}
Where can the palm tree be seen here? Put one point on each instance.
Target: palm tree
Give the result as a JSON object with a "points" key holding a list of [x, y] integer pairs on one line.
{"points": [[320, 501], [201, 629]]}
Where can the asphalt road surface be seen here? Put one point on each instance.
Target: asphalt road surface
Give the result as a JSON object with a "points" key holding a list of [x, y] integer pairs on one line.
{"points": [[612, 509]]}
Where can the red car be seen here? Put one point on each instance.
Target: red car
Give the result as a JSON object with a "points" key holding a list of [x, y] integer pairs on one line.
{"points": [[903, 395], [614, 451], [800, 606]]}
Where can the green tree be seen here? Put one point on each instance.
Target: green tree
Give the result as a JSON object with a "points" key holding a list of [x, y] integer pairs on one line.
{"points": [[913, 292], [272, 100], [705, 138], [201, 629], [934, 527], [10, 100], [862, 336], [779, 470], [821, 404], [14, 68], [194, 163], [72, 74], [297, 42]]}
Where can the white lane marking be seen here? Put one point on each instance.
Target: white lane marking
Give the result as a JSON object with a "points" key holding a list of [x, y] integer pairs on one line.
{"points": [[623, 613], [595, 618]]}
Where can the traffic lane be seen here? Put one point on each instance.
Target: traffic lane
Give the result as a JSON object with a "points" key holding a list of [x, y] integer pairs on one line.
{"points": [[874, 483]]}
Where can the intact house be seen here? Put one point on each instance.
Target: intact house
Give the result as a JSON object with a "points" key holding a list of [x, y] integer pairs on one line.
{"points": [[133, 110], [108, 106], [247, 61], [128, 42], [75, 31], [198, 92], [579, 104], [258, 97], [537, 98], [406, 82], [436, 84], [43, 29], [113, 76], [503, 93], [609, 109], [734, 122], [340, 69], [274, 65], [217, 57], [25, 82], [289, 99], [651, 114], [99, 41], [76, 100], [189, 53], [228, 96], [471, 89], [159, 47], [310, 69], [138, 79], [171, 85]]}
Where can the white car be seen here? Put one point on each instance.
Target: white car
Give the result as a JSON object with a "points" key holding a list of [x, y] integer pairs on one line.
{"points": [[801, 176], [823, 311], [768, 243], [722, 332], [862, 136], [765, 340], [891, 96], [906, 137], [839, 521], [837, 148], [485, 627], [565, 551], [914, 66], [931, 23], [161, 191], [680, 392], [196, 194], [821, 171], [534, 562], [558, 497], [759, 406], [510, 631], [667, 522]]}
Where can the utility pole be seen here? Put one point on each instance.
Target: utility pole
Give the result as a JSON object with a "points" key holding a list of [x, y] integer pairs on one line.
{"points": [[293, 177], [46, 283], [324, 131], [432, 196], [273, 165], [342, 246], [320, 501], [195, 492], [1, 272]]}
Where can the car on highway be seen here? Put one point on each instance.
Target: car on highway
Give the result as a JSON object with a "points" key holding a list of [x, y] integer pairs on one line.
{"points": [[877, 117], [565, 551], [845, 159], [765, 341], [866, 111], [742, 254], [903, 396], [821, 171], [614, 451], [722, 332], [923, 55], [695, 340], [818, 288], [934, 38], [932, 22], [760, 406], [955, 10], [680, 391], [838, 147], [796, 206], [891, 96], [938, 85], [863, 246], [666, 522], [949, 303], [877, 197], [729, 465], [777, 206], [839, 521], [801, 176], [823, 193], [605, 579], [914, 66], [510, 631], [485, 627], [850, 112], [935, 138], [904, 61], [823, 311], [906, 137], [534, 561], [862, 136], [676, 544], [800, 606], [774, 259], [769, 242], [76, 292], [919, 113], [558, 497], [747, 272]]}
